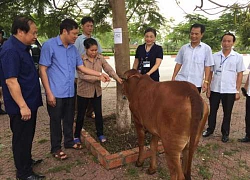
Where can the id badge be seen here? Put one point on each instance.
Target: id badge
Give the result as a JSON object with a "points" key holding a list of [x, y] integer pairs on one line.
{"points": [[218, 71], [146, 64]]}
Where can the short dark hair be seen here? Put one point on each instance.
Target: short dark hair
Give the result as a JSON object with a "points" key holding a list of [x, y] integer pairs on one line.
{"points": [[229, 34], [22, 23], [89, 42], [197, 25], [150, 30], [68, 24], [87, 19]]}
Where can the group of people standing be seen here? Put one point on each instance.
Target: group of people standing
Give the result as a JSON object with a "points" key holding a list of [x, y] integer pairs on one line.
{"points": [[219, 75], [222, 72], [22, 93]]}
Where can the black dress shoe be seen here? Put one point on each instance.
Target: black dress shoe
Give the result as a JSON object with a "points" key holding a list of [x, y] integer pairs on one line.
{"points": [[36, 162], [225, 138], [207, 133], [244, 91], [34, 176], [2, 112], [245, 139]]}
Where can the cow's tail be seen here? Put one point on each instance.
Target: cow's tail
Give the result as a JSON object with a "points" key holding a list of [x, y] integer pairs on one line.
{"points": [[199, 113]]}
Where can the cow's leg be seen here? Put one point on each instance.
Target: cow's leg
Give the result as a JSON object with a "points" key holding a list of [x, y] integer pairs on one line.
{"points": [[153, 148], [185, 162], [173, 152], [174, 166], [141, 137]]}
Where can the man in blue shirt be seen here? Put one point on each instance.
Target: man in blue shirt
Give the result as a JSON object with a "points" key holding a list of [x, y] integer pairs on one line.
{"points": [[87, 29], [58, 62], [22, 93]]}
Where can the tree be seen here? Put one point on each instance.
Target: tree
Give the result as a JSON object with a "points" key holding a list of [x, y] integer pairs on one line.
{"points": [[214, 31], [45, 13], [139, 15], [122, 63], [238, 14]]}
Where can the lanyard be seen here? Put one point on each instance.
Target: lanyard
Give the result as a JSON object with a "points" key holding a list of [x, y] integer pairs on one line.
{"points": [[222, 62]]}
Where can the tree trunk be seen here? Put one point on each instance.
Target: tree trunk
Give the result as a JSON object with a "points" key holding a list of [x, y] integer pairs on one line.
{"points": [[122, 63]]}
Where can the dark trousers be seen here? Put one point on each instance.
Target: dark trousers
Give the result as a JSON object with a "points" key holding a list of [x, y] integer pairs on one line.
{"points": [[89, 109], [227, 101], [247, 117], [82, 106], [23, 134], [61, 115]]}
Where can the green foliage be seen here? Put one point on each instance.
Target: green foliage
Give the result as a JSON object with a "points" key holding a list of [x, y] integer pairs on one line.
{"points": [[243, 164], [233, 20], [230, 152], [204, 172], [1, 147], [41, 141], [180, 34], [59, 168], [204, 151], [46, 15], [140, 15], [163, 173], [132, 172]]}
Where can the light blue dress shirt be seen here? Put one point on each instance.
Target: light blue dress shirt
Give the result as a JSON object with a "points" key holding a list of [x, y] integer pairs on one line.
{"points": [[80, 47], [225, 72], [194, 61], [61, 63]]}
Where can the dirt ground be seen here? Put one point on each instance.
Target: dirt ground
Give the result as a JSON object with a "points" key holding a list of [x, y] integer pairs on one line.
{"points": [[213, 160]]}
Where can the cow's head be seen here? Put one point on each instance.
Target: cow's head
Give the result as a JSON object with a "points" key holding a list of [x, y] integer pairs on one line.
{"points": [[130, 80]]}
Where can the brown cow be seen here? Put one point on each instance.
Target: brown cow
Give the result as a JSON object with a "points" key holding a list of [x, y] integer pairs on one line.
{"points": [[172, 111]]}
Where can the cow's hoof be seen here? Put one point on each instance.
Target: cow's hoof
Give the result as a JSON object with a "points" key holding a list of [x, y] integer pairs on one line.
{"points": [[151, 171], [138, 164]]}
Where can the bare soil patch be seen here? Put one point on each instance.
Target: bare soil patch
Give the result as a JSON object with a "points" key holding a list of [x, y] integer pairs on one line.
{"points": [[116, 142]]}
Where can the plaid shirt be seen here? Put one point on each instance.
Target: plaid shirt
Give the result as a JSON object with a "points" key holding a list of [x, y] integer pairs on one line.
{"points": [[87, 85]]}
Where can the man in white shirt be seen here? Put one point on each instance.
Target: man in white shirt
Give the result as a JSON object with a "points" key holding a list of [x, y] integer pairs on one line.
{"points": [[226, 77], [87, 29], [193, 59]]}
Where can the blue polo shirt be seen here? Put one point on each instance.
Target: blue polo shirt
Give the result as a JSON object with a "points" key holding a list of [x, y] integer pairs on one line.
{"points": [[16, 61], [61, 63]]}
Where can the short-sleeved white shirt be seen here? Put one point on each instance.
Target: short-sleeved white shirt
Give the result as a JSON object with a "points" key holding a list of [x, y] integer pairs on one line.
{"points": [[193, 61], [225, 72]]}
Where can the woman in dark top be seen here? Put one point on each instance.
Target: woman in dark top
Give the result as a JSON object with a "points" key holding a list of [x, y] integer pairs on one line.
{"points": [[149, 55]]}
